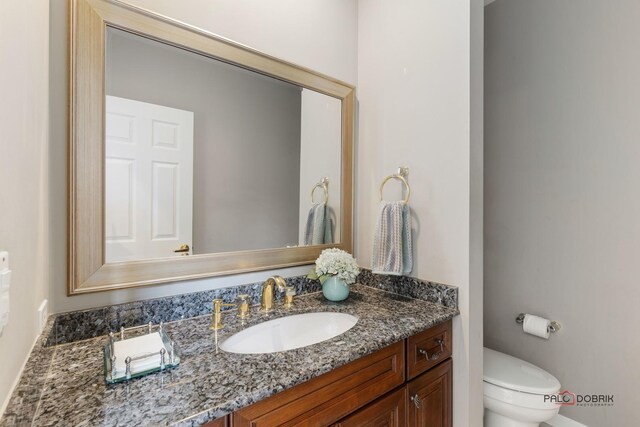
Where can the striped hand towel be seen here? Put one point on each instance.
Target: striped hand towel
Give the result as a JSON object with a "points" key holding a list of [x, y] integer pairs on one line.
{"points": [[392, 250]]}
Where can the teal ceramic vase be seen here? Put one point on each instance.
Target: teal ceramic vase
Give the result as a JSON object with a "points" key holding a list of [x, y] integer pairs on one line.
{"points": [[335, 289]]}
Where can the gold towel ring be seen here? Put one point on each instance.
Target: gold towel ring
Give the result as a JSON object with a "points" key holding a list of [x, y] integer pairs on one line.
{"points": [[402, 173], [324, 185]]}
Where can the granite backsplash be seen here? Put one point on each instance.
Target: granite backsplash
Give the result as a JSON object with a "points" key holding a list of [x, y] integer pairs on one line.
{"points": [[90, 323], [436, 293], [95, 322]]}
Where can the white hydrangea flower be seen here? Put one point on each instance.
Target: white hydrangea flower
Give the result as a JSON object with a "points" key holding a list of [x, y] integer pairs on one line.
{"points": [[336, 262]]}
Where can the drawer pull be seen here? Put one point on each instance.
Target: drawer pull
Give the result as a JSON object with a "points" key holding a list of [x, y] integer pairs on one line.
{"points": [[416, 401], [436, 355]]}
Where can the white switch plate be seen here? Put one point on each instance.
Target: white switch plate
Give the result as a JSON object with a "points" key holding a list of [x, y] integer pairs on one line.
{"points": [[43, 313]]}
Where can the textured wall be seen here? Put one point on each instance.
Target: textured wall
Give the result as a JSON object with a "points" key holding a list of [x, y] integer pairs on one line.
{"points": [[562, 205]]}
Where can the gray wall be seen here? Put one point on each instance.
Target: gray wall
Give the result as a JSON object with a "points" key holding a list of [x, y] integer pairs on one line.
{"points": [[562, 193], [246, 140]]}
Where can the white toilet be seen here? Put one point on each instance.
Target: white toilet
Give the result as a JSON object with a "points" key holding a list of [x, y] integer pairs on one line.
{"points": [[514, 392]]}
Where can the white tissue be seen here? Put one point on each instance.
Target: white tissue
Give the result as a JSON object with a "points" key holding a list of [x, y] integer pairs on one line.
{"points": [[538, 326], [139, 346]]}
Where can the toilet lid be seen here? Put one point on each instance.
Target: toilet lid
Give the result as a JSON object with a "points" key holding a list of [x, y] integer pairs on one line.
{"points": [[509, 372]]}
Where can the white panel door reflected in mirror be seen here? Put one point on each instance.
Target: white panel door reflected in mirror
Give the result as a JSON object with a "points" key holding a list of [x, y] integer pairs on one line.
{"points": [[258, 146], [148, 180]]}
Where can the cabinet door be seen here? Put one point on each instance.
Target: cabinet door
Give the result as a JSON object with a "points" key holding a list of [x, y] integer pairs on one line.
{"points": [[429, 398], [328, 398], [388, 411]]}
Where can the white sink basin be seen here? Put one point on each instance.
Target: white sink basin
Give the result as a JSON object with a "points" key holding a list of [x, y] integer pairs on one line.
{"points": [[288, 333]]}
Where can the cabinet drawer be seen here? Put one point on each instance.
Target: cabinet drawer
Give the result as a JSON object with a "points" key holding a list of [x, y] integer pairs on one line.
{"points": [[332, 396], [388, 411], [428, 348]]}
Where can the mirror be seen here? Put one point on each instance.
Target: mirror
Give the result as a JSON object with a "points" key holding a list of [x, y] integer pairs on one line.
{"points": [[192, 156], [203, 156]]}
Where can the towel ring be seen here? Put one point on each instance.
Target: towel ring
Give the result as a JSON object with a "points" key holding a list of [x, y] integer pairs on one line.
{"points": [[322, 184], [402, 172]]}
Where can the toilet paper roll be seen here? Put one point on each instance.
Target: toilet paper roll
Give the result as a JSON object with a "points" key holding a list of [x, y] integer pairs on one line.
{"points": [[538, 326]]}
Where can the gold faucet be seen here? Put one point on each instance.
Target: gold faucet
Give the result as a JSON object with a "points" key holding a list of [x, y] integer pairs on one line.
{"points": [[267, 292]]}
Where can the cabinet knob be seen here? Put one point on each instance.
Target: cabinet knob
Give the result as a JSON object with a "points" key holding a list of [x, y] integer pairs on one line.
{"points": [[436, 355], [416, 401]]}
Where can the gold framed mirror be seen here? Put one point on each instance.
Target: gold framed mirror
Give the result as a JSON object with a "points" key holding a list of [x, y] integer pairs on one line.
{"points": [[134, 215]]}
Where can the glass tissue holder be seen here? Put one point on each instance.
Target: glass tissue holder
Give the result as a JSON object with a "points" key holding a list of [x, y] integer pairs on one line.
{"points": [[127, 358]]}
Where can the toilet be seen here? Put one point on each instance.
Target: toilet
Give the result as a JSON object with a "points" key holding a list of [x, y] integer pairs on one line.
{"points": [[514, 392]]}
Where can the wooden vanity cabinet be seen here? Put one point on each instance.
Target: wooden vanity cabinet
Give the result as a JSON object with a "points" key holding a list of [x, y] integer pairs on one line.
{"points": [[372, 391]]}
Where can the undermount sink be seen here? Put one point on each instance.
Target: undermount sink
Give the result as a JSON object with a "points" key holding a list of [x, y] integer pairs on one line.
{"points": [[288, 333]]}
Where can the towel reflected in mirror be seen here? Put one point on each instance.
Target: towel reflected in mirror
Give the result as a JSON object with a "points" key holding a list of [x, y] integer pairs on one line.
{"points": [[319, 228]]}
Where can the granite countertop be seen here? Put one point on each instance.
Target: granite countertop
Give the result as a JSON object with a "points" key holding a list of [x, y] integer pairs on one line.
{"points": [[68, 383]]}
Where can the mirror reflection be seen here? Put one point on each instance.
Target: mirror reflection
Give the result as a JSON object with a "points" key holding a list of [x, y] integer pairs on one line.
{"points": [[202, 156]]}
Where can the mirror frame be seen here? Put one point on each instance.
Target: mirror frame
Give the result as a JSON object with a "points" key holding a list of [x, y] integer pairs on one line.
{"points": [[88, 272]]}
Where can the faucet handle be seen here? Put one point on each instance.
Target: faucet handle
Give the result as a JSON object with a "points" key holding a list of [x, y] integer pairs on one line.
{"points": [[217, 304], [290, 292], [243, 305]]}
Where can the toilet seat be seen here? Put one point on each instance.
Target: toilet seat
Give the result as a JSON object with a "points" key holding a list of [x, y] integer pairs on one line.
{"points": [[517, 398], [511, 373]]}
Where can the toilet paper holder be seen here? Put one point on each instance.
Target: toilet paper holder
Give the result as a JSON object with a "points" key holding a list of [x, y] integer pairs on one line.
{"points": [[553, 325]]}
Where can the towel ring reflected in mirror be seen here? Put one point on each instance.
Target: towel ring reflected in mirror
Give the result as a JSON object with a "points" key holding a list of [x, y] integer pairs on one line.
{"points": [[401, 176], [324, 184]]}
